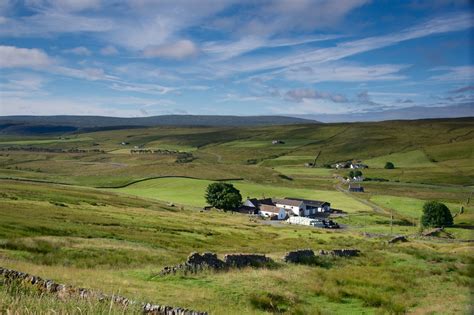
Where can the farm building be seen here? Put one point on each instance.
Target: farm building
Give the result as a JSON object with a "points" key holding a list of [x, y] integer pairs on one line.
{"points": [[278, 142], [274, 212], [358, 165], [303, 207], [358, 188]]}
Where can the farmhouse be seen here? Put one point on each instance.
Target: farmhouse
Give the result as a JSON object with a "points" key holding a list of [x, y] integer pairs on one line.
{"points": [[273, 212], [302, 207]]}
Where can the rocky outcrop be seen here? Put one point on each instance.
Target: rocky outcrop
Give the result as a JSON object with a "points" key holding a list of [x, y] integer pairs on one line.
{"points": [[299, 256], [340, 252], [65, 291], [197, 262]]}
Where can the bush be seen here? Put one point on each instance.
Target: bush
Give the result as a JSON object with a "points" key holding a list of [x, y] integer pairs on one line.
{"points": [[223, 196], [389, 166], [436, 214]]}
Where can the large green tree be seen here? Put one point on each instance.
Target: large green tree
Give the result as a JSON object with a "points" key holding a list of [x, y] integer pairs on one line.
{"points": [[389, 166], [436, 214], [223, 196]]}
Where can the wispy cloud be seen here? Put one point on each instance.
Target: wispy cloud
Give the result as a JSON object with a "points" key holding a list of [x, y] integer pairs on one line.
{"points": [[350, 48], [459, 73]]}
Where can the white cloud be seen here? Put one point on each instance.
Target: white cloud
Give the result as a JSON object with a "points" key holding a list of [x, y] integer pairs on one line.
{"points": [[299, 95], [64, 5], [343, 72], [80, 51], [14, 57], [350, 48], [227, 50], [177, 50], [460, 73], [109, 50]]}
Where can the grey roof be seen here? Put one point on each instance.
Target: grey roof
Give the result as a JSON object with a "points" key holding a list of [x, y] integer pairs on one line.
{"points": [[289, 202], [314, 203]]}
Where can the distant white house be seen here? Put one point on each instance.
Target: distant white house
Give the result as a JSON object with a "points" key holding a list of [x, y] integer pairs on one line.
{"points": [[270, 211], [357, 179], [358, 165], [302, 207]]}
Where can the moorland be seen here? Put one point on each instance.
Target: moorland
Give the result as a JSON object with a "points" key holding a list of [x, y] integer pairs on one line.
{"points": [[80, 208]]}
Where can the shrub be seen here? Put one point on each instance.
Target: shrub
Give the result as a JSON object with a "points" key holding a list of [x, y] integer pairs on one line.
{"points": [[389, 166], [436, 214], [223, 196]]}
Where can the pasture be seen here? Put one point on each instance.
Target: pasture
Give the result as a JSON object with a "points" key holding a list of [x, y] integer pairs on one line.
{"points": [[171, 190]]}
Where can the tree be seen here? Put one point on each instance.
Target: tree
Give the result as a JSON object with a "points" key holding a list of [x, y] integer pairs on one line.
{"points": [[351, 174], [389, 166], [436, 214], [223, 196], [357, 173]]}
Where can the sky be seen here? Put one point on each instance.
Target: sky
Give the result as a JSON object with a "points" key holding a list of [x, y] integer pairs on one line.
{"points": [[305, 58]]}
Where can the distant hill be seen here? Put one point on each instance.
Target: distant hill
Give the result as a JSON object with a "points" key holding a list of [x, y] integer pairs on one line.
{"points": [[31, 125]]}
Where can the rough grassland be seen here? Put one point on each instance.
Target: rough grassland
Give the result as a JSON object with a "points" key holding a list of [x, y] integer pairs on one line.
{"points": [[171, 190], [78, 236]]}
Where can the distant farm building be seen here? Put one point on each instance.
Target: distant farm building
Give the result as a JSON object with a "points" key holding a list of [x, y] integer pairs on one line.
{"points": [[358, 188], [278, 142], [358, 165]]}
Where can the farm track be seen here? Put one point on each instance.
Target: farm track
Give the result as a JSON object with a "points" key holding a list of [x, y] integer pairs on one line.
{"points": [[372, 205]]}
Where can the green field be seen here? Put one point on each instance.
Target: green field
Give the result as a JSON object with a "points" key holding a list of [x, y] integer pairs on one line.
{"points": [[172, 190], [409, 207], [411, 159], [109, 220]]}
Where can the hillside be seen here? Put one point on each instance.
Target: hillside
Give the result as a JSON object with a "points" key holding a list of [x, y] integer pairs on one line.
{"points": [[108, 210], [31, 125]]}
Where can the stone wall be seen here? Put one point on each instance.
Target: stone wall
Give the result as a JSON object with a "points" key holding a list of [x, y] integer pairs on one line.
{"points": [[197, 262], [64, 291], [246, 260], [340, 252], [299, 256]]}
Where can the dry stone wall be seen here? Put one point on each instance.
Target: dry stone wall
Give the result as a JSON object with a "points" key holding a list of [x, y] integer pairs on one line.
{"points": [[340, 252], [299, 256], [65, 291], [197, 262]]}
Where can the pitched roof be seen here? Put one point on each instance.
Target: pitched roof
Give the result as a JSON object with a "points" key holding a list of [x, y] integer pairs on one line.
{"points": [[314, 203], [289, 202], [269, 208]]}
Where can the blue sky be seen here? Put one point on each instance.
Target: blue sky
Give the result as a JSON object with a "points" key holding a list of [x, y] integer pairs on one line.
{"points": [[288, 57]]}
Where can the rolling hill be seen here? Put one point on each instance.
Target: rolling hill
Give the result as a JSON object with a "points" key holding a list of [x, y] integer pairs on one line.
{"points": [[31, 125]]}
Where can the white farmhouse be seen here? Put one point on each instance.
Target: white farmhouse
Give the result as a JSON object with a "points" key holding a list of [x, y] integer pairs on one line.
{"points": [[302, 207], [270, 211]]}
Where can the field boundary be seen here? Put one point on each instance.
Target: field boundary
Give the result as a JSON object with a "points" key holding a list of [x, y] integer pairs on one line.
{"points": [[169, 176]]}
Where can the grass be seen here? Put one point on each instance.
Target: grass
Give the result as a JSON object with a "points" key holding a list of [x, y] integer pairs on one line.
{"points": [[407, 207], [411, 159], [45, 141], [171, 190], [117, 240], [78, 235]]}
